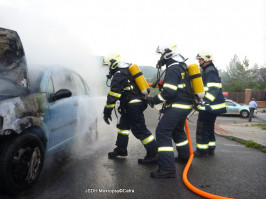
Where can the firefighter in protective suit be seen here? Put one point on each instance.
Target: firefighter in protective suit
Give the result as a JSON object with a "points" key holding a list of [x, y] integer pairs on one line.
{"points": [[178, 105], [214, 104], [132, 105]]}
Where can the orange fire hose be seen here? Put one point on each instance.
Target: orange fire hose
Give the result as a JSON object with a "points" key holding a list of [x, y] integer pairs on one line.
{"points": [[187, 183], [157, 86]]}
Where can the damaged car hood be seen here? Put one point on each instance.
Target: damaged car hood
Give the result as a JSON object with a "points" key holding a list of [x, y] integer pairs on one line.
{"points": [[22, 112], [13, 67]]}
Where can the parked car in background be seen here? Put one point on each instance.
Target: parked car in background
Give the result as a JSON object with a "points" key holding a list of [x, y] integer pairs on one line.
{"points": [[41, 111], [234, 108]]}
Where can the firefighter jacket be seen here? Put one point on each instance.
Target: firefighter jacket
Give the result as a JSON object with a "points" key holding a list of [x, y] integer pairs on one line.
{"points": [[174, 87], [124, 89], [213, 90]]}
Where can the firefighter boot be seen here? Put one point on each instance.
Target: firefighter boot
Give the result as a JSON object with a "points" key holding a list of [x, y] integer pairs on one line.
{"points": [[163, 174], [211, 152], [200, 154], [152, 154], [117, 152], [148, 160]]}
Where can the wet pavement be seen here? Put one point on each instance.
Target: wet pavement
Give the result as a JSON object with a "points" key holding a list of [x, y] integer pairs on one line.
{"points": [[242, 130], [234, 171]]}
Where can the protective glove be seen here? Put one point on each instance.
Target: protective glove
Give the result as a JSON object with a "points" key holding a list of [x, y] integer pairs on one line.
{"points": [[150, 101], [106, 118], [107, 115], [207, 106]]}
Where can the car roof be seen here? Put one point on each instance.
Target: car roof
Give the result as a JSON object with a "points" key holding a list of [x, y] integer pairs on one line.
{"points": [[229, 100]]}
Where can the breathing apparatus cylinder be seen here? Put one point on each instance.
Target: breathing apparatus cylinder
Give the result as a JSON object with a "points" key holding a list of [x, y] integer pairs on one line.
{"points": [[196, 80], [139, 79]]}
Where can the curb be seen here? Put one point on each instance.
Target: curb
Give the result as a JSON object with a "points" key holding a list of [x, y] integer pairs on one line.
{"points": [[239, 140], [224, 133]]}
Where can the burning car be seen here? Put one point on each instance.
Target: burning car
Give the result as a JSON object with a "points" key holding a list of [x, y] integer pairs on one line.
{"points": [[40, 112]]}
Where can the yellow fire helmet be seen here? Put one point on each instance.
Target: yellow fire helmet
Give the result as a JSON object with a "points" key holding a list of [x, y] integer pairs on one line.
{"points": [[205, 55], [113, 60]]}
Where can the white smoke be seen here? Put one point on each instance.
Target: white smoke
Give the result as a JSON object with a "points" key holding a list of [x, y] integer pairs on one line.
{"points": [[93, 140], [48, 42]]}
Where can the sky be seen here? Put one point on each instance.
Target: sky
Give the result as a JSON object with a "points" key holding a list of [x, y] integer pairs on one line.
{"points": [[67, 31]]}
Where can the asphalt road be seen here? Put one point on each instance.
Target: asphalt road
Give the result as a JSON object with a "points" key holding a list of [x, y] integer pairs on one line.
{"points": [[235, 171]]}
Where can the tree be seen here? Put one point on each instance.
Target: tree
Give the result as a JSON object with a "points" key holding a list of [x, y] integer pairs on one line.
{"points": [[240, 76], [261, 77]]}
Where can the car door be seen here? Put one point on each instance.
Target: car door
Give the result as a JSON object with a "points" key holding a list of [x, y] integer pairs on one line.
{"points": [[87, 112], [231, 108], [63, 112]]}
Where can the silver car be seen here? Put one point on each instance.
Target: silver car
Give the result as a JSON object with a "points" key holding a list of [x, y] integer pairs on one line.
{"points": [[234, 108]]}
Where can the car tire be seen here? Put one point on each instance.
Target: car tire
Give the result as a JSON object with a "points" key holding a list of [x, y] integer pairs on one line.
{"points": [[244, 113], [21, 159]]}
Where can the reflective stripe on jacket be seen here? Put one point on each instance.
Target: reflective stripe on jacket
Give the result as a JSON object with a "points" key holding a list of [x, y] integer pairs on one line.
{"points": [[213, 87], [174, 85], [121, 89]]}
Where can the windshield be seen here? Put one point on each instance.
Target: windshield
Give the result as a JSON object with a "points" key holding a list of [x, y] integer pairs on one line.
{"points": [[13, 67], [232, 103]]}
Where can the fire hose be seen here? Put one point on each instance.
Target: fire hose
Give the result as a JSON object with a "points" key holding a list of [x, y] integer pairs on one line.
{"points": [[187, 183]]}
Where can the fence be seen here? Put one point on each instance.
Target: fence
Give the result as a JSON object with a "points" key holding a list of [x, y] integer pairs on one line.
{"points": [[245, 97], [237, 96], [259, 95]]}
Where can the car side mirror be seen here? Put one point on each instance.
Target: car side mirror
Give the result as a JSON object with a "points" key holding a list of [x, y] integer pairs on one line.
{"points": [[60, 94]]}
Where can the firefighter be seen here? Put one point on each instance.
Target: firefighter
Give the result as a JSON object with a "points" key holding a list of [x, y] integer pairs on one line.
{"points": [[214, 104], [177, 105], [132, 105]]}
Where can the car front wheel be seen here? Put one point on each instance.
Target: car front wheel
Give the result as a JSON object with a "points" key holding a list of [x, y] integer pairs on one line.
{"points": [[21, 162], [244, 113]]}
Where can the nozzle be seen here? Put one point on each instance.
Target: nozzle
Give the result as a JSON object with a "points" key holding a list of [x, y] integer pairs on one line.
{"points": [[154, 84]]}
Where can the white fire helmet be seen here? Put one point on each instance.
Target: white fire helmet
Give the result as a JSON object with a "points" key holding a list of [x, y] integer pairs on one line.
{"points": [[113, 60], [205, 55], [167, 51]]}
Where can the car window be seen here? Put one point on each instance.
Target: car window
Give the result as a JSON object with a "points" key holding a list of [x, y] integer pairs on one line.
{"points": [[230, 104], [87, 88], [80, 87], [62, 80], [50, 87]]}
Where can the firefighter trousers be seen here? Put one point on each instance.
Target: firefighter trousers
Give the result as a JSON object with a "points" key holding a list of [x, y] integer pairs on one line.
{"points": [[171, 127], [205, 135], [132, 118]]}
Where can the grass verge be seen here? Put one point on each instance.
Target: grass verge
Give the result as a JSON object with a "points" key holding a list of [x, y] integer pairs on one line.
{"points": [[249, 143], [254, 145], [262, 126]]}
